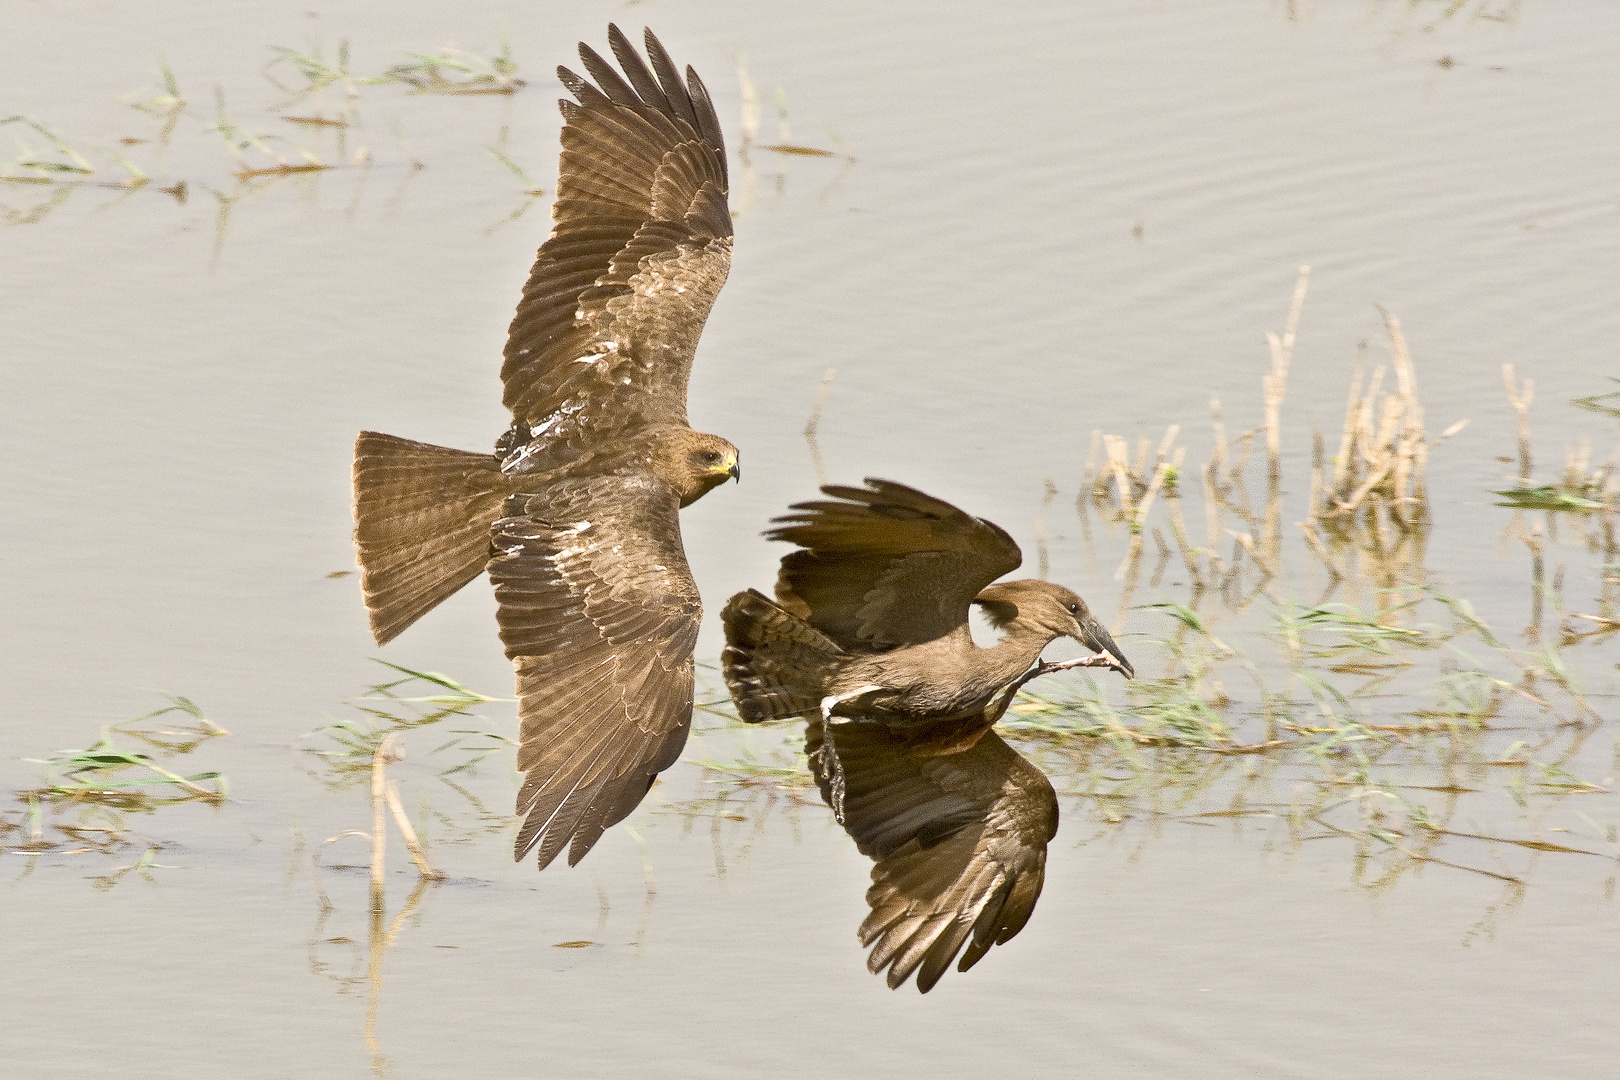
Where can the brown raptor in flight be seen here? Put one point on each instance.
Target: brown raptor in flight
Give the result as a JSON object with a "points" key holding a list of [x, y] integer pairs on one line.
{"points": [[868, 638], [870, 618], [575, 513]]}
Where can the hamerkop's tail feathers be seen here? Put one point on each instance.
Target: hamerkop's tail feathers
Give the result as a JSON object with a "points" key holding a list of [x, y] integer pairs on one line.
{"points": [[422, 515], [768, 656]]}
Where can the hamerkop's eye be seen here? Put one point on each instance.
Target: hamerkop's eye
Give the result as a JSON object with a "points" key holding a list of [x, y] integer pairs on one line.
{"points": [[1074, 609]]}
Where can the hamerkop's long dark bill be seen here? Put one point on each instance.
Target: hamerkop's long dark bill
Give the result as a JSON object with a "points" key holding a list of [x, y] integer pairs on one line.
{"points": [[1096, 637]]}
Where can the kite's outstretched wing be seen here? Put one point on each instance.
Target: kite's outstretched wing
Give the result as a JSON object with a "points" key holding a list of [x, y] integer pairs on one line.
{"points": [[887, 565], [957, 825], [599, 614], [604, 335]]}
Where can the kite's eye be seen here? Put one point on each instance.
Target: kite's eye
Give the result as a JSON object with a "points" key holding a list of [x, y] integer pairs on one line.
{"points": [[1074, 609], [711, 458]]}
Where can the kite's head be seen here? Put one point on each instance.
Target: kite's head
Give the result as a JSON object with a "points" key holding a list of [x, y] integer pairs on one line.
{"points": [[704, 462], [1050, 609]]}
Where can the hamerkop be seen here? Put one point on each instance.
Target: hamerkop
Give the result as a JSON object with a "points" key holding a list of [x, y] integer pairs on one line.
{"points": [[575, 513], [870, 620]]}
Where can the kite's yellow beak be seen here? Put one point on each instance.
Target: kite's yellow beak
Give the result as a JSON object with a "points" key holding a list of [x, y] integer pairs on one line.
{"points": [[732, 468]]}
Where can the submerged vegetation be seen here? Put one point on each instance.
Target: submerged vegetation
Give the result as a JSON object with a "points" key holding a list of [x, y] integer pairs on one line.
{"points": [[81, 806], [1328, 687], [1384, 712], [321, 104], [326, 118]]}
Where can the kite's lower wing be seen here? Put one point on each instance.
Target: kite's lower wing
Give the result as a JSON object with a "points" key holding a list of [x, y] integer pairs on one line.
{"points": [[958, 828], [599, 614]]}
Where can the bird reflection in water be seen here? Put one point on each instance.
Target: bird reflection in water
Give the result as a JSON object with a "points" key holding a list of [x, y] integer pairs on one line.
{"points": [[868, 639], [956, 823]]}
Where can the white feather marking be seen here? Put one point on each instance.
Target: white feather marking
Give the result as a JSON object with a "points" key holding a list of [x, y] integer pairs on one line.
{"points": [[591, 359], [553, 419]]}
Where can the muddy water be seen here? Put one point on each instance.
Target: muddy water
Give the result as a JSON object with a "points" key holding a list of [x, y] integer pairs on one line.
{"points": [[1058, 218]]}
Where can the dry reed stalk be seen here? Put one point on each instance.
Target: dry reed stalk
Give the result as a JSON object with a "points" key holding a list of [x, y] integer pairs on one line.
{"points": [[1538, 579], [1275, 384], [1212, 520], [1169, 440], [811, 425], [1139, 517], [1314, 542], [1383, 449], [418, 855], [1254, 552], [1178, 524], [379, 822], [1159, 472], [1218, 455], [1117, 463], [1318, 465], [1520, 398], [1093, 480], [1143, 448], [1341, 463]]}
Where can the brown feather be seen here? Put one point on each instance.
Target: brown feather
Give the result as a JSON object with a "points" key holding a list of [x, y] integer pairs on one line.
{"points": [[888, 565], [576, 512], [599, 613], [643, 175], [772, 658], [958, 839], [422, 515]]}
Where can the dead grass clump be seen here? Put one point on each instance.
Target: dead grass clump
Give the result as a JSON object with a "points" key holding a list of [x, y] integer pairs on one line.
{"points": [[1382, 463], [1580, 488]]}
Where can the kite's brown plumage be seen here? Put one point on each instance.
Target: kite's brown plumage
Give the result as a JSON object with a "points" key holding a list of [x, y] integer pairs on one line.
{"points": [[575, 514]]}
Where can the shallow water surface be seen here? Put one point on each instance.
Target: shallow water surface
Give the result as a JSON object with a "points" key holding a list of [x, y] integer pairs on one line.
{"points": [[1036, 222]]}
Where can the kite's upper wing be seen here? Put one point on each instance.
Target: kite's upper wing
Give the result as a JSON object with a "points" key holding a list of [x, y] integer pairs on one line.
{"points": [[599, 614], [887, 566], [957, 824], [610, 317]]}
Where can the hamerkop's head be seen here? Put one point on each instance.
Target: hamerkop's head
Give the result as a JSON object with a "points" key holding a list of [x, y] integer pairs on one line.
{"points": [[1043, 606]]}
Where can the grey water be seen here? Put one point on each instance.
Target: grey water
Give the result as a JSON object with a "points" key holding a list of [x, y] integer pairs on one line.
{"points": [[1036, 221]]}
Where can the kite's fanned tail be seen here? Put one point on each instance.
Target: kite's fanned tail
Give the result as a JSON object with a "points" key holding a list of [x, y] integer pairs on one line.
{"points": [[768, 653], [422, 524]]}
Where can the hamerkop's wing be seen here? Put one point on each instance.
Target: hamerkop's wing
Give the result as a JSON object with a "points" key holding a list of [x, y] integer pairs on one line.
{"points": [[889, 565], [604, 335], [599, 614], [957, 824]]}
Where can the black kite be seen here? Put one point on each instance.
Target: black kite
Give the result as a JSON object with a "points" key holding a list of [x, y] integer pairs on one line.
{"points": [[574, 515]]}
